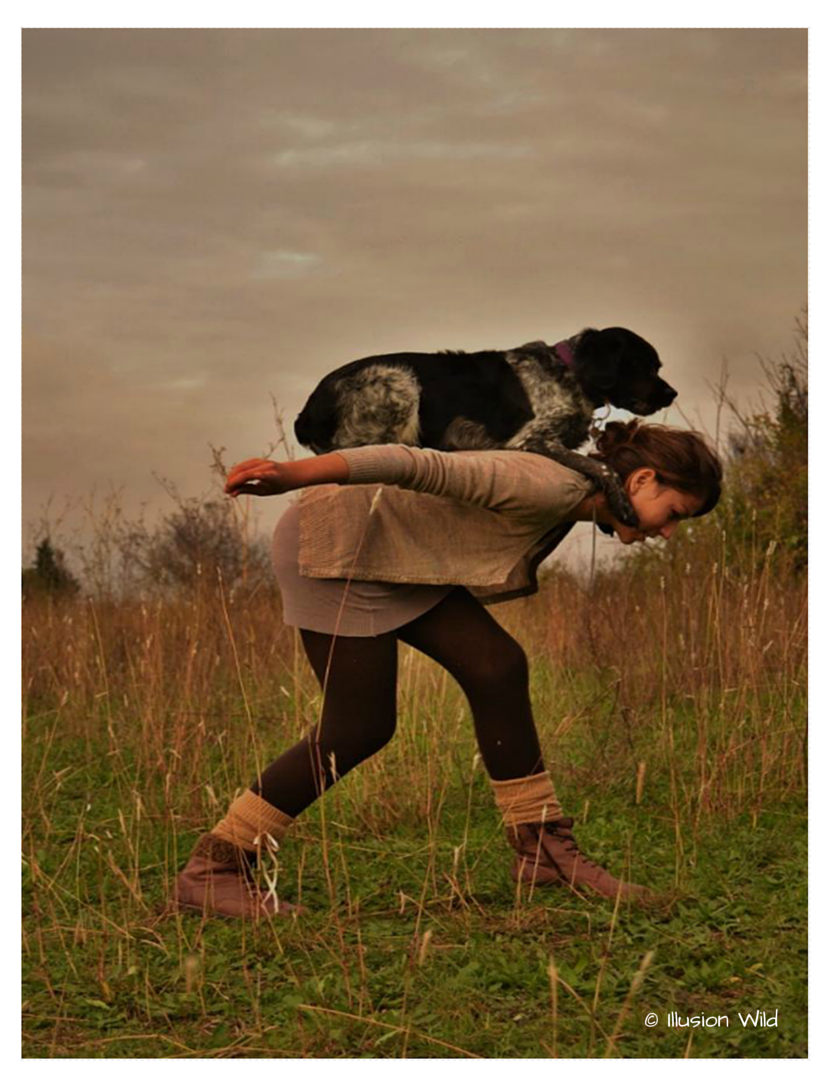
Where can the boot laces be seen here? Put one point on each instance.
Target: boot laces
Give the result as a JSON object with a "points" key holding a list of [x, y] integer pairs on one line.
{"points": [[570, 844]]}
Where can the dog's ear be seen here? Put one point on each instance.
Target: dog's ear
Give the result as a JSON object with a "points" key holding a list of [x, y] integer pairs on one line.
{"points": [[599, 356]]}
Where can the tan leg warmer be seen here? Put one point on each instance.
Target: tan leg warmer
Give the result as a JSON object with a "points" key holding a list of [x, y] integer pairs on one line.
{"points": [[249, 820], [527, 799]]}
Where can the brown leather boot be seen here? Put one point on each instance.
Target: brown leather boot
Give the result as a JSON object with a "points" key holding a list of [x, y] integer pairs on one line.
{"points": [[548, 853], [217, 880]]}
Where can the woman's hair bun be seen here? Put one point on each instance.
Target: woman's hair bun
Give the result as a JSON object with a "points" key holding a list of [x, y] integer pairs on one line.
{"points": [[615, 435]]}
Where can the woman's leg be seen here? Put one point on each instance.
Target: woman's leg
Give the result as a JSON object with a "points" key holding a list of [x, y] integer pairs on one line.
{"points": [[358, 677], [491, 668]]}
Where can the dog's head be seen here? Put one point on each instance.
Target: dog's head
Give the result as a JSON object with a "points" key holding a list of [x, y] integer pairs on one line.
{"points": [[618, 366]]}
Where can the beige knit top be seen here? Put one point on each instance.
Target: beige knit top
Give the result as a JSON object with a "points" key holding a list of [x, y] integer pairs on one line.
{"points": [[484, 519]]}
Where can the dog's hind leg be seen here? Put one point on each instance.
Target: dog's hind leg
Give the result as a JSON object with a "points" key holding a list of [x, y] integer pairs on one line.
{"points": [[378, 405]]}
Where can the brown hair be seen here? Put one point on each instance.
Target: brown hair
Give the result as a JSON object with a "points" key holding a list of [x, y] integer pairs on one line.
{"points": [[681, 459]]}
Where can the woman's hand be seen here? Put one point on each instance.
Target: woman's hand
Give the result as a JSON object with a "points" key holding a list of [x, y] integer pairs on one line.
{"points": [[262, 477], [266, 477]]}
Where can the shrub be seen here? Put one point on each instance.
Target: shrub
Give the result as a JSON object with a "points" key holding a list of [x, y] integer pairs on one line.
{"points": [[762, 517], [49, 575]]}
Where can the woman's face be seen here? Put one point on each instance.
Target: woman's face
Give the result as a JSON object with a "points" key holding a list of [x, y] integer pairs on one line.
{"points": [[659, 508]]}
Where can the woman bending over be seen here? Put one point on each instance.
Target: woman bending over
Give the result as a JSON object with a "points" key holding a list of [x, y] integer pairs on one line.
{"points": [[394, 544]]}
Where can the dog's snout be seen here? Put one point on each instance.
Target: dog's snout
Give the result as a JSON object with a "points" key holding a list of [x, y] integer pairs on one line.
{"points": [[667, 394]]}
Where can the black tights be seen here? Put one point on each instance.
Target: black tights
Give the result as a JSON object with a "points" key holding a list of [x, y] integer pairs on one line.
{"points": [[358, 676]]}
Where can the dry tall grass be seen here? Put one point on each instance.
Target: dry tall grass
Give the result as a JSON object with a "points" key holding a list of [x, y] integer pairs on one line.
{"points": [[684, 651]]}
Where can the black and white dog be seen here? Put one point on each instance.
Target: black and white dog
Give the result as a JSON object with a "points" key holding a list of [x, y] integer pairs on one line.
{"points": [[535, 398]]}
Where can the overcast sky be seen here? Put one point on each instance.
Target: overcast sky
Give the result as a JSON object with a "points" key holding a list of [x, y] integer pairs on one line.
{"points": [[212, 217]]}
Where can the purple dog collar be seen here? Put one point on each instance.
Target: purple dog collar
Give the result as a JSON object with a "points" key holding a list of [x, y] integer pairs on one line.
{"points": [[564, 352]]}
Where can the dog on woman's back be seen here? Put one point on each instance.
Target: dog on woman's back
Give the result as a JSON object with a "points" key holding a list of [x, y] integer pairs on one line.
{"points": [[535, 398]]}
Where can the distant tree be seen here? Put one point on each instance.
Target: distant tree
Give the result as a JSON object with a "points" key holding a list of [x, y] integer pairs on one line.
{"points": [[198, 542], [49, 575]]}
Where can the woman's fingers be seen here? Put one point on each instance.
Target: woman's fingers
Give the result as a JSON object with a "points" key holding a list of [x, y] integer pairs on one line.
{"points": [[245, 488], [264, 477], [248, 465], [251, 477], [232, 486]]}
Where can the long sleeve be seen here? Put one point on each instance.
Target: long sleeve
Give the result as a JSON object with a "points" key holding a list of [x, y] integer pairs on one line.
{"points": [[517, 484]]}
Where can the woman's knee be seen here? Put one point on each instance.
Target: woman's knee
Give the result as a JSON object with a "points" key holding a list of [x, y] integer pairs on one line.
{"points": [[381, 734], [497, 667], [349, 746]]}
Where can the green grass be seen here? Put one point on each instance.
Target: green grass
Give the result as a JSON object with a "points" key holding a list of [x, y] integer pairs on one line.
{"points": [[415, 943]]}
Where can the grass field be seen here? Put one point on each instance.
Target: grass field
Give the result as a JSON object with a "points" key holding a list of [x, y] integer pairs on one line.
{"points": [[671, 707]]}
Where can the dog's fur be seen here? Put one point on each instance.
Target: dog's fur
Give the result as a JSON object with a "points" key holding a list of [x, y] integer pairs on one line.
{"points": [[535, 398]]}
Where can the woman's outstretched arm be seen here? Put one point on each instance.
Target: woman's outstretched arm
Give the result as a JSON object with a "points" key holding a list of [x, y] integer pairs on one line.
{"points": [[265, 477], [514, 483]]}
